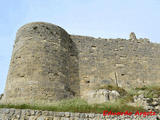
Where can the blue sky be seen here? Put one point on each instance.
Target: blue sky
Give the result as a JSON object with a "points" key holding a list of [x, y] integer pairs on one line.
{"points": [[98, 18]]}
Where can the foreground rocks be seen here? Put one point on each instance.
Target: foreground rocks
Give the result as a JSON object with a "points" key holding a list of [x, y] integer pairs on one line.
{"points": [[148, 103], [17, 114], [102, 95]]}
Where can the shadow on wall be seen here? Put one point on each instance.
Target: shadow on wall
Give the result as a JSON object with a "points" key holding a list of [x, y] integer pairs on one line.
{"points": [[72, 82], [74, 69]]}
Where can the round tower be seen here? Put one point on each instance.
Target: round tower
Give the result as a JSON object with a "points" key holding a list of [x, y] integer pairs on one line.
{"points": [[39, 64]]}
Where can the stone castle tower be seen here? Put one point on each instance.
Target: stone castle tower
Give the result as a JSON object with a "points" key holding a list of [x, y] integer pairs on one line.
{"points": [[49, 64]]}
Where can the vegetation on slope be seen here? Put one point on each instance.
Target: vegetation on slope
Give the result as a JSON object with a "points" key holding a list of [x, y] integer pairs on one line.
{"points": [[77, 105]]}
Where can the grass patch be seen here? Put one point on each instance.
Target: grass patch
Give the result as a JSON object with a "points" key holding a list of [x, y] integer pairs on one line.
{"points": [[150, 91], [77, 105], [129, 96], [147, 91]]}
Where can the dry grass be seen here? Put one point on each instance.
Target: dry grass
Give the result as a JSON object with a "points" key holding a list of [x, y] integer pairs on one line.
{"points": [[77, 105], [150, 91]]}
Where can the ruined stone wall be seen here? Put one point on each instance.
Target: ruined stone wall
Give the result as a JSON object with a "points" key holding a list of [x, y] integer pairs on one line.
{"points": [[121, 62], [49, 64]]}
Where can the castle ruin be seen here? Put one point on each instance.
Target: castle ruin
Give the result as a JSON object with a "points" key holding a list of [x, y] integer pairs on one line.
{"points": [[49, 64]]}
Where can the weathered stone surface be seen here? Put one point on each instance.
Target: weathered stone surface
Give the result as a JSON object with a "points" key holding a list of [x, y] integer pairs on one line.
{"points": [[64, 116], [121, 62], [148, 103], [97, 96], [113, 95], [132, 36], [101, 96], [39, 68], [49, 64]]}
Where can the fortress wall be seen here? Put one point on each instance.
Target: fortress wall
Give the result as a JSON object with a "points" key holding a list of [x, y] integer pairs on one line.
{"points": [[121, 62], [49, 64], [39, 68]]}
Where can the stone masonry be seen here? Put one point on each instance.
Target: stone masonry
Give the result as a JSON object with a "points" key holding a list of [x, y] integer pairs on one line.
{"points": [[49, 64], [26, 114]]}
